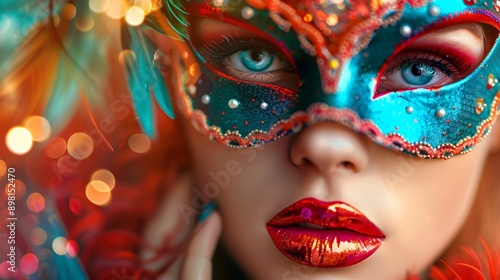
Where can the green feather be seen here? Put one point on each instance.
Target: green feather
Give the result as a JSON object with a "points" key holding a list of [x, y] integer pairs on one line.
{"points": [[143, 75]]}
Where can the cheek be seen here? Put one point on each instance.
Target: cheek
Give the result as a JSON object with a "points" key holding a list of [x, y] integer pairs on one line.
{"points": [[420, 205], [248, 199], [429, 206], [225, 174]]}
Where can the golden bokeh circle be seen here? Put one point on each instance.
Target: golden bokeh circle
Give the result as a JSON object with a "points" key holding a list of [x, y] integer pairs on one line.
{"points": [[19, 140], [98, 193], [80, 145], [104, 176], [139, 143], [38, 127]]}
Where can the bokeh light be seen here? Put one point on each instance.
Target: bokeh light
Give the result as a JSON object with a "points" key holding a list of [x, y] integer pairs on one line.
{"points": [[75, 205], [80, 145], [125, 55], [38, 236], [56, 148], [139, 143], [98, 193], [19, 140], [9, 86], [218, 3], [59, 245], [72, 248], [105, 176], [332, 20], [85, 23], [35, 202], [99, 6], [68, 11], [29, 264], [38, 127], [117, 9], [146, 5], [3, 168], [135, 16]]}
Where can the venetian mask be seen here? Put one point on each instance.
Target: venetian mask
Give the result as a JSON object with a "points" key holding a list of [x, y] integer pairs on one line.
{"points": [[261, 70]]}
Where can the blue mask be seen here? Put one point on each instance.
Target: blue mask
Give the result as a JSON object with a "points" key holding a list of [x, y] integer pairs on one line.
{"points": [[266, 69]]}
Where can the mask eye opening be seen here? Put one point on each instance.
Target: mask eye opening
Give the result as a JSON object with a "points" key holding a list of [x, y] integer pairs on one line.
{"points": [[485, 28]]}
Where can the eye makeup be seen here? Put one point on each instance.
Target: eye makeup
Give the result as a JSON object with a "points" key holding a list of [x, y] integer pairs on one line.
{"points": [[224, 54], [410, 81], [450, 61], [447, 64]]}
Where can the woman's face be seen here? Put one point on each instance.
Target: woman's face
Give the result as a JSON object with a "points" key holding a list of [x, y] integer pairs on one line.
{"points": [[330, 199], [419, 205]]}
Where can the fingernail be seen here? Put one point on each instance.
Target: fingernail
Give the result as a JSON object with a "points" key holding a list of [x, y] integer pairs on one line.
{"points": [[206, 211]]}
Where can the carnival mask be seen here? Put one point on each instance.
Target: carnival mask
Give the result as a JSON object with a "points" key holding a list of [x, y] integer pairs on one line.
{"points": [[266, 69]]}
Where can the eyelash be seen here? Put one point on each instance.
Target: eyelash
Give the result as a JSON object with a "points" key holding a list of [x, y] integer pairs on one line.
{"points": [[450, 65], [217, 51]]}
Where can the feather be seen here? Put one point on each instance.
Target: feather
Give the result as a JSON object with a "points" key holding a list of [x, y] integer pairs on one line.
{"points": [[176, 16], [18, 20], [482, 264], [143, 75], [472, 268], [52, 64]]}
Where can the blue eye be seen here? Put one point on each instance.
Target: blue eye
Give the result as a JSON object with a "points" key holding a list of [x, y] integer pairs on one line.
{"points": [[418, 73], [256, 60]]}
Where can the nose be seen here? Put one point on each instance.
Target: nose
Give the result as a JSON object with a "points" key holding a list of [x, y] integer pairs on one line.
{"points": [[330, 148]]}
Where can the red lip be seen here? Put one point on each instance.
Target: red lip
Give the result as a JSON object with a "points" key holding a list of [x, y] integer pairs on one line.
{"points": [[348, 236]]}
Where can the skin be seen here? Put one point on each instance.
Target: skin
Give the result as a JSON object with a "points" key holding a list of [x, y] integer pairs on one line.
{"points": [[419, 210], [416, 204]]}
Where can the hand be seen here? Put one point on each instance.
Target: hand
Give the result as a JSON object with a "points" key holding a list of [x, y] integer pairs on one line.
{"points": [[194, 262], [198, 261]]}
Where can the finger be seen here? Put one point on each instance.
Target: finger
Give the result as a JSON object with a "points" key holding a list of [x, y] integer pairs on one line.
{"points": [[166, 220], [198, 262]]}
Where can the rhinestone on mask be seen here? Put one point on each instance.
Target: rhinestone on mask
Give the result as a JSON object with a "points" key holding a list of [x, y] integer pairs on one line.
{"points": [[480, 105], [434, 10], [491, 81], [205, 99], [191, 89], [440, 113], [233, 104], [405, 30], [247, 13]]}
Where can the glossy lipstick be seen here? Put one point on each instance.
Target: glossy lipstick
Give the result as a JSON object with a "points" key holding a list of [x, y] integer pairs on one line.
{"points": [[324, 234]]}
